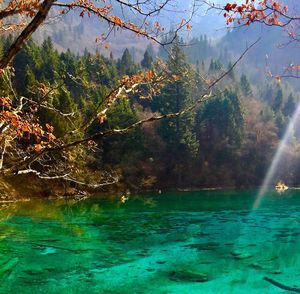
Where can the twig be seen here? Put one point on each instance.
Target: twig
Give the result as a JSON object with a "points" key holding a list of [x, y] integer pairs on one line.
{"points": [[282, 286]]}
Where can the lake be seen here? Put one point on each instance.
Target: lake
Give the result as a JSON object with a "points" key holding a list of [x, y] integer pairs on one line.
{"points": [[187, 242]]}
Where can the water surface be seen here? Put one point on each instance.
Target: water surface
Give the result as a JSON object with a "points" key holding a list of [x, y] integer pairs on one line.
{"points": [[200, 242]]}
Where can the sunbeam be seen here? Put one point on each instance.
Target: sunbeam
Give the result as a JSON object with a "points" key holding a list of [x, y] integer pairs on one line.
{"points": [[276, 159]]}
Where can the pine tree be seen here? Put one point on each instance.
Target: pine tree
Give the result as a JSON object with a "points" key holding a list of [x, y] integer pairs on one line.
{"points": [[222, 119], [290, 106], [147, 60], [30, 81], [125, 64], [278, 100], [178, 133], [150, 50], [245, 85], [215, 65], [118, 149], [50, 61]]}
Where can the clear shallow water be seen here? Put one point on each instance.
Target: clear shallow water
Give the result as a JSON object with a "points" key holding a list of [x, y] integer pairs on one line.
{"points": [[200, 242]]}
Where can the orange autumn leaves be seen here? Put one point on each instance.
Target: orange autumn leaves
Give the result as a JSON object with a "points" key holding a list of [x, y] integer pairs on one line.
{"points": [[21, 7], [17, 125], [14, 14], [267, 11]]}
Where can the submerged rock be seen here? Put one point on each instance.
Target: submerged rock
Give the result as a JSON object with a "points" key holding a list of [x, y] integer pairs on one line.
{"points": [[188, 276], [161, 262], [127, 259], [265, 266], [34, 271], [257, 266], [276, 272], [241, 255], [208, 246], [48, 250]]}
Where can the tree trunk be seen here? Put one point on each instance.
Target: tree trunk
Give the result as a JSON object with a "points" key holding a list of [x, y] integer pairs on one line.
{"points": [[26, 33]]}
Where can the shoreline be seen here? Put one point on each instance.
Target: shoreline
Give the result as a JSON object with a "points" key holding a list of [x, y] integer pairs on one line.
{"points": [[83, 195]]}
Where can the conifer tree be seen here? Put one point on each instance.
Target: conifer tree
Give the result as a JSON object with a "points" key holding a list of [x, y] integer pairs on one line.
{"points": [[147, 60], [245, 85], [290, 106], [126, 65], [177, 133]]}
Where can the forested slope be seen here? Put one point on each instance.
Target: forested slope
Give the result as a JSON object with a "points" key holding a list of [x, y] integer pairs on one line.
{"points": [[228, 141]]}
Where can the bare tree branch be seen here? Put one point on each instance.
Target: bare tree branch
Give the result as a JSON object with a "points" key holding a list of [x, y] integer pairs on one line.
{"points": [[103, 134], [26, 33]]}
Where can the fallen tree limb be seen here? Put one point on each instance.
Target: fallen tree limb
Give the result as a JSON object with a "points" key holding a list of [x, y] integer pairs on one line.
{"points": [[282, 286]]}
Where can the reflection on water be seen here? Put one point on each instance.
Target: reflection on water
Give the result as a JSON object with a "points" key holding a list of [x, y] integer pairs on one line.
{"points": [[201, 242]]}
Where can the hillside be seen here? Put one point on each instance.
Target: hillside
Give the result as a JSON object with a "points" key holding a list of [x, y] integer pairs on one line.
{"points": [[77, 34]]}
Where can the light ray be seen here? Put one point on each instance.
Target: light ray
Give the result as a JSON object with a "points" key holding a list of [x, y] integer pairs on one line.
{"points": [[277, 158]]}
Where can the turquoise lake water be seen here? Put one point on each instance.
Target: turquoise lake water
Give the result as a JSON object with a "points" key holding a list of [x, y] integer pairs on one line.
{"points": [[189, 242]]}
